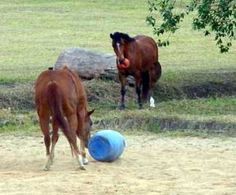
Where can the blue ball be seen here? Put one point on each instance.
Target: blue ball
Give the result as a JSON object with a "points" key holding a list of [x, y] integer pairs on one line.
{"points": [[106, 145]]}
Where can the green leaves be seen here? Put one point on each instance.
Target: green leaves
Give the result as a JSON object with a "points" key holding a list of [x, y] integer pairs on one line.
{"points": [[213, 17], [170, 20]]}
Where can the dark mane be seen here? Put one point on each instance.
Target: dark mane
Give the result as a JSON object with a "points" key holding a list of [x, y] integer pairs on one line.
{"points": [[117, 36]]}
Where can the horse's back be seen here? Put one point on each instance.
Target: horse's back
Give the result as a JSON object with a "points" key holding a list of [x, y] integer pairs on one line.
{"points": [[146, 41], [148, 49], [46, 77], [67, 82], [65, 78]]}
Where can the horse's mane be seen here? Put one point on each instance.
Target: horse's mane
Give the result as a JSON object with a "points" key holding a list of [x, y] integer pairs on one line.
{"points": [[117, 36]]}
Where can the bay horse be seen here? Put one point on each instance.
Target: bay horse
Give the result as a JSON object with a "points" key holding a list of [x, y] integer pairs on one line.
{"points": [[61, 98], [136, 56]]}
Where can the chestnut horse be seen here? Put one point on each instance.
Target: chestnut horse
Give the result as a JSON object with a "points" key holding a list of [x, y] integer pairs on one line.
{"points": [[136, 56], [61, 98]]}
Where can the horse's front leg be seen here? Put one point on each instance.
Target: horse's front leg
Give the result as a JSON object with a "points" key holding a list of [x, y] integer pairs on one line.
{"points": [[122, 79], [138, 83], [73, 123], [82, 148]]}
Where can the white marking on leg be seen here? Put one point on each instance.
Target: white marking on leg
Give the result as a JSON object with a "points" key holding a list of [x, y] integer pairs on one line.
{"points": [[52, 153], [80, 160], [85, 161], [152, 102], [82, 149], [48, 163]]}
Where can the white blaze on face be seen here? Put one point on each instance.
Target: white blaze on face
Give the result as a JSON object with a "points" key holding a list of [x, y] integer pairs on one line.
{"points": [[119, 51], [152, 102], [118, 47]]}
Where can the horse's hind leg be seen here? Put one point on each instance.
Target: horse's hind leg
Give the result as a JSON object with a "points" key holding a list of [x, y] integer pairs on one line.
{"points": [[55, 137], [145, 85], [138, 90], [44, 124], [155, 74], [151, 93], [73, 122]]}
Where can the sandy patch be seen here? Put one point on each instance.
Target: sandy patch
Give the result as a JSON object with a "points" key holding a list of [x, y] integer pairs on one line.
{"points": [[149, 165]]}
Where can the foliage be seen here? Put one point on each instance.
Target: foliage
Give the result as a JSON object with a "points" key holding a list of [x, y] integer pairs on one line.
{"points": [[213, 16]]}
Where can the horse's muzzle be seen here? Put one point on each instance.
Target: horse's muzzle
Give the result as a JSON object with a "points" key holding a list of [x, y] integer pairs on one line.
{"points": [[120, 61]]}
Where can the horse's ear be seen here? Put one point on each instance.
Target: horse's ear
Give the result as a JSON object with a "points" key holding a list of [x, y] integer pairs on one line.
{"points": [[112, 36], [91, 112]]}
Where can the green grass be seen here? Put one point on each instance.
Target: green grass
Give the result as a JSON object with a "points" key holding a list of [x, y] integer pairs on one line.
{"points": [[217, 110], [204, 107], [34, 32], [220, 109], [12, 121]]}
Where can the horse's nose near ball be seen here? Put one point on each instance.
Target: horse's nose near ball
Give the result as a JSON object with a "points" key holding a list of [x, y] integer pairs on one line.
{"points": [[122, 61]]}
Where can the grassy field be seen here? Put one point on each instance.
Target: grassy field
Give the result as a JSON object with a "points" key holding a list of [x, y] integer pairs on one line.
{"points": [[35, 32]]}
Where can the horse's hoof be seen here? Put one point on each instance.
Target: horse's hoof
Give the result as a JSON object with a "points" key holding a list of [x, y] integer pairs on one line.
{"points": [[46, 168], [122, 107], [51, 162], [82, 168], [85, 161], [140, 107]]}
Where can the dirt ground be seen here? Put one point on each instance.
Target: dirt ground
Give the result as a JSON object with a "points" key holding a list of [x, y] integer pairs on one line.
{"points": [[150, 164]]}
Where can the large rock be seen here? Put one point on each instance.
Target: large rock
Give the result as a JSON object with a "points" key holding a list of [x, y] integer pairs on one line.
{"points": [[88, 64]]}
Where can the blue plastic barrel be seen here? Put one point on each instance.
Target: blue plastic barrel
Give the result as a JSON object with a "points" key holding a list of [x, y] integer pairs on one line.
{"points": [[106, 145]]}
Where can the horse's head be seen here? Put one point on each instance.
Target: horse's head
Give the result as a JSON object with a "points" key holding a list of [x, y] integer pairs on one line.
{"points": [[119, 42], [85, 134]]}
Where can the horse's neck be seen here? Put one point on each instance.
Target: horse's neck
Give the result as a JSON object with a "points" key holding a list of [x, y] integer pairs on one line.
{"points": [[130, 48]]}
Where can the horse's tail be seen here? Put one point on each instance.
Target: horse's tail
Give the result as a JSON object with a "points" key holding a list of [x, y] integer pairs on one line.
{"points": [[145, 85], [55, 100]]}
